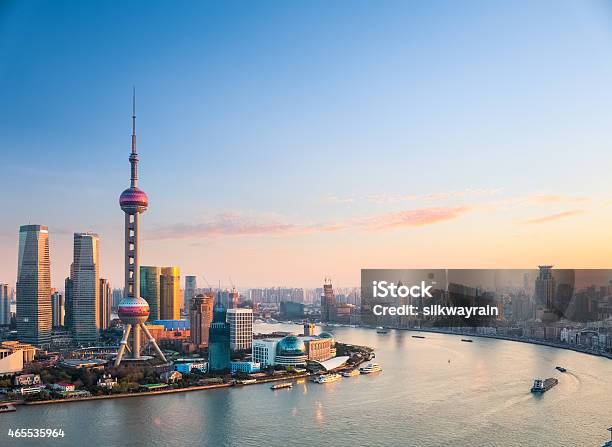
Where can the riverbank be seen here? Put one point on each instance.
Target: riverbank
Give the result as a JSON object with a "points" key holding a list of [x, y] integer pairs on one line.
{"points": [[156, 393], [516, 339]]}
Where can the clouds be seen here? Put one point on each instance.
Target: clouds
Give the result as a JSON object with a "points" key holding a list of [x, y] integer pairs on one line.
{"points": [[414, 218], [553, 217], [238, 224]]}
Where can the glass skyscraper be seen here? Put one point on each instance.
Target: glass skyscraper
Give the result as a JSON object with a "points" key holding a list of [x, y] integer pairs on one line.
{"points": [[34, 285], [169, 283], [85, 275], [149, 289], [219, 340]]}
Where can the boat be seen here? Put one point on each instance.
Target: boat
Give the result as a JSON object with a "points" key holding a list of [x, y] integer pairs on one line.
{"points": [[540, 386], [370, 368], [351, 373], [327, 378], [561, 369], [7, 408], [467, 340], [280, 386], [246, 381], [418, 336], [381, 330]]}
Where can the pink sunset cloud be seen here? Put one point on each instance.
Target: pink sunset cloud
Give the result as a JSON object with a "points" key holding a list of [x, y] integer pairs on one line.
{"points": [[553, 217]]}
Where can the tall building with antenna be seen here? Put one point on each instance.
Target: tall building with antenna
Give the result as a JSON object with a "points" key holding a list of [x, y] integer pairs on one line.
{"points": [[133, 310]]}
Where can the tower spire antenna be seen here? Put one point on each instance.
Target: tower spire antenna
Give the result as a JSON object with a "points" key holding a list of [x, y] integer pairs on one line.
{"points": [[133, 119]]}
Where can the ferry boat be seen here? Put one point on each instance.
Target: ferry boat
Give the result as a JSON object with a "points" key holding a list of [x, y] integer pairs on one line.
{"points": [[246, 381], [540, 386], [381, 330], [280, 386], [327, 378], [7, 408], [351, 373], [561, 369], [467, 340], [370, 368]]}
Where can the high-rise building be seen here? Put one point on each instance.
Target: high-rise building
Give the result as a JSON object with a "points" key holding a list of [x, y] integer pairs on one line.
{"points": [[545, 287], [328, 301], [191, 284], [169, 297], [133, 310], [85, 276], [150, 290], [200, 317], [219, 340], [68, 309], [5, 305], [241, 328], [117, 297], [105, 304], [34, 285], [58, 311], [233, 299]]}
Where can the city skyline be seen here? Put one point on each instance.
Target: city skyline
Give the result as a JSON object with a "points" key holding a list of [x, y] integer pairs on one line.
{"points": [[267, 157]]}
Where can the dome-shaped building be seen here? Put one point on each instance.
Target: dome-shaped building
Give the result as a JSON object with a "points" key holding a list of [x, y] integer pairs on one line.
{"points": [[291, 351], [328, 335]]}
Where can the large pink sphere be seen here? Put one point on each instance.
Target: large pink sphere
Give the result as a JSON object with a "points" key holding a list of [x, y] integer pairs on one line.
{"points": [[133, 199], [133, 310]]}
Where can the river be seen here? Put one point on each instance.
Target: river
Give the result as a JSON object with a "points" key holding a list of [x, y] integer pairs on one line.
{"points": [[480, 398]]}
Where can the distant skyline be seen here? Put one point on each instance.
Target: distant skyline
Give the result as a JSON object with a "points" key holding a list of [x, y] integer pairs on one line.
{"points": [[283, 142]]}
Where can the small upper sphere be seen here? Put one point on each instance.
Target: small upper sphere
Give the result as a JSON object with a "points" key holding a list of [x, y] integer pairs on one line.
{"points": [[134, 198]]}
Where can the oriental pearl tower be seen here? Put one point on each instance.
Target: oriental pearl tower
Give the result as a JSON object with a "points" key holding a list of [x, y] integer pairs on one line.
{"points": [[133, 310]]}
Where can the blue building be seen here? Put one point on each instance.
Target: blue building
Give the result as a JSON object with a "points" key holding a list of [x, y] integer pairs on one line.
{"points": [[245, 367], [219, 340], [185, 368], [172, 325]]}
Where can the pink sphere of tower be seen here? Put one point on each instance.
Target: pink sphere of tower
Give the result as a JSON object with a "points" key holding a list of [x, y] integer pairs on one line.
{"points": [[133, 199], [133, 310]]}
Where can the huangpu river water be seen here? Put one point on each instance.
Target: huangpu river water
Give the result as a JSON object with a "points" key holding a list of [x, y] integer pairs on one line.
{"points": [[480, 398]]}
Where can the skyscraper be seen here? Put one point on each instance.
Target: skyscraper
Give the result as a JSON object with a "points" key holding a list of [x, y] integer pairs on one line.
{"points": [[117, 297], [57, 309], [85, 276], [133, 310], [233, 299], [150, 290], [5, 305], [169, 297], [241, 328], [219, 340], [545, 287], [191, 285], [200, 318], [104, 304], [328, 301], [68, 310], [34, 285]]}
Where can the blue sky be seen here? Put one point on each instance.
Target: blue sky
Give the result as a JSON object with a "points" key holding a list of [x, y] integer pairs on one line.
{"points": [[273, 134]]}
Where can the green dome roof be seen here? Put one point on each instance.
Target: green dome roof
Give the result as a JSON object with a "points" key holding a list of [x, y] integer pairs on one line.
{"points": [[290, 346]]}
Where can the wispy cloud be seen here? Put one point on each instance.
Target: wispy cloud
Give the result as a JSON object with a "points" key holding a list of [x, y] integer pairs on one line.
{"points": [[553, 217], [415, 218], [556, 198], [434, 196], [237, 224], [399, 198]]}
